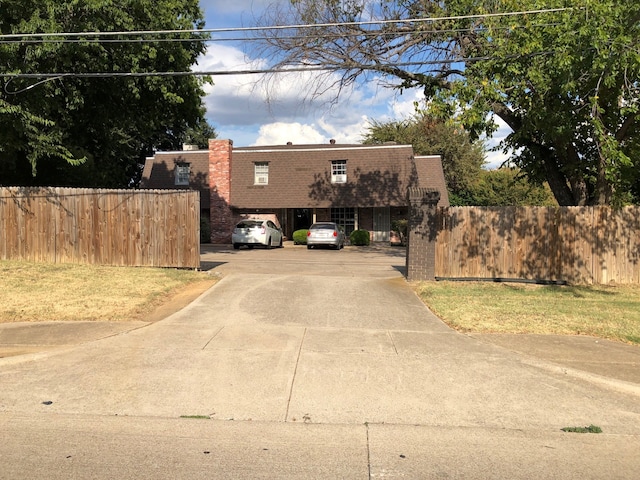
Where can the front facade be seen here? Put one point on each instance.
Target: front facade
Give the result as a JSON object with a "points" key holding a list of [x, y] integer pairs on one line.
{"points": [[356, 186]]}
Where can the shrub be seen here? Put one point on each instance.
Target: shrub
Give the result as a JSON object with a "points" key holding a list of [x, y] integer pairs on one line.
{"points": [[360, 237], [300, 237], [205, 230]]}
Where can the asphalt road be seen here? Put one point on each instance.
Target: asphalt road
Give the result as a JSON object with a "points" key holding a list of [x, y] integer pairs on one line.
{"points": [[308, 364]]}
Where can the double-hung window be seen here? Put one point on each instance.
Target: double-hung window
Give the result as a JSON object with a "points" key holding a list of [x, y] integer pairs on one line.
{"points": [[182, 173], [339, 171], [261, 173]]}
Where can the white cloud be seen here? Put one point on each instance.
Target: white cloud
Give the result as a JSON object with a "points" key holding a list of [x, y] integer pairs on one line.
{"points": [[279, 133], [297, 106], [495, 159]]}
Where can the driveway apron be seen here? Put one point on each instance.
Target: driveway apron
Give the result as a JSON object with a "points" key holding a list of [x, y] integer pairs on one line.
{"points": [[322, 337]]}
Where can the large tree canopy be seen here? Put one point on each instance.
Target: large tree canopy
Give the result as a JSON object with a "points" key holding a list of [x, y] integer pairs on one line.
{"points": [[462, 161], [94, 131], [563, 76]]}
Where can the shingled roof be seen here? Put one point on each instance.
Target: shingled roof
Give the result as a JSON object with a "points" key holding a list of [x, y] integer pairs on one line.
{"points": [[300, 176]]}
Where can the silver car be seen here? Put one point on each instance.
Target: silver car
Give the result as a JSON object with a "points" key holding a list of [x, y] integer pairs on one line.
{"points": [[325, 233], [256, 232]]}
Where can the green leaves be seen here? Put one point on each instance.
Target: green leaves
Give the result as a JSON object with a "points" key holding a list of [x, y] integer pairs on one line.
{"points": [[107, 125]]}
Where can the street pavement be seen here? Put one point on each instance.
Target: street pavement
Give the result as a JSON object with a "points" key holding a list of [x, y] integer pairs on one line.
{"points": [[312, 364]]}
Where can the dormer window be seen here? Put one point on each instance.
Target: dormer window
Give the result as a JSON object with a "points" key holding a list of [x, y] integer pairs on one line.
{"points": [[261, 173], [339, 171], [182, 173]]}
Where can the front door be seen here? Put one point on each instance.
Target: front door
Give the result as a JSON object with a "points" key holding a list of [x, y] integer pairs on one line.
{"points": [[381, 224]]}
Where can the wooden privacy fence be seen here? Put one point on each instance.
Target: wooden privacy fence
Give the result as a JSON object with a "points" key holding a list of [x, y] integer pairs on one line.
{"points": [[158, 228], [579, 245]]}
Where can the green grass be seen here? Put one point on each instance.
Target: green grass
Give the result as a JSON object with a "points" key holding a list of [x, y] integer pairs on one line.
{"points": [[611, 312], [34, 292], [589, 429]]}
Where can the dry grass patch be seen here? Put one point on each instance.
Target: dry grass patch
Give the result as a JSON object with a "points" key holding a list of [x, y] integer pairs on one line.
{"points": [[34, 292], [611, 312]]}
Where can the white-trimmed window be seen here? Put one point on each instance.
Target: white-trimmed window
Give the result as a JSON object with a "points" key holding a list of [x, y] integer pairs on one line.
{"points": [[261, 173], [182, 173], [339, 171]]}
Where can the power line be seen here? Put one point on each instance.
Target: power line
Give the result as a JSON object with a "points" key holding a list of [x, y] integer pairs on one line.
{"points": [[44, 36], [370, 34], [305, 68]]}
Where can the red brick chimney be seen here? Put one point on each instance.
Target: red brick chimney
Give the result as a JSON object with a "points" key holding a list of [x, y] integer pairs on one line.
{"points": [[220, 186]]}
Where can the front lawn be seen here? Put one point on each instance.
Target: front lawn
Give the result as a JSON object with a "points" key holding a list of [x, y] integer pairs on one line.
{"points": [[611, 312]]}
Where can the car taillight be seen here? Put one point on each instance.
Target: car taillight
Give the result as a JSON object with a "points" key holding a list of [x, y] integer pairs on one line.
{"points": [[335, 234], [263, 230], [309, 233]]}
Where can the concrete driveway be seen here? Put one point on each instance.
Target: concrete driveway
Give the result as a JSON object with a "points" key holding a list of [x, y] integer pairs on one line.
{"points": [[309, 364]]}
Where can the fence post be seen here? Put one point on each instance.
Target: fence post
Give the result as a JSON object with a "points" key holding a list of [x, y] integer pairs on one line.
{"points": [[422, 233]]}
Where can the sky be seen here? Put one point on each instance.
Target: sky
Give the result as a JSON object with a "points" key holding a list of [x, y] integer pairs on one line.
{"points": [[250, 111]]}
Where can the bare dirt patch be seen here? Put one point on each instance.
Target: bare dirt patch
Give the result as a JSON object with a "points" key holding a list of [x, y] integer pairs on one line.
{"points": [[178, 299]]}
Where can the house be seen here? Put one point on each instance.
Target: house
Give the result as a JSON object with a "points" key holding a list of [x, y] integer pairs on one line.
{"points": [[356, 186]]}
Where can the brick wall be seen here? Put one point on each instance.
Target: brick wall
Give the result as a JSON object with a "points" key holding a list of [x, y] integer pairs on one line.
{"points": [[422, 233], [220, 152]]}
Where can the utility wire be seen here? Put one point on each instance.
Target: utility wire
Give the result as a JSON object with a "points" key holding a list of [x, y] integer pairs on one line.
{"points": [[279, 27], [365, 34], [305, 68]]}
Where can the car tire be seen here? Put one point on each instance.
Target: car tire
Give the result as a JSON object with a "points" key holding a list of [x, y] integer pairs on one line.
{"points": [[309, 247], [236, 246], [281, 244], [268, 245]]}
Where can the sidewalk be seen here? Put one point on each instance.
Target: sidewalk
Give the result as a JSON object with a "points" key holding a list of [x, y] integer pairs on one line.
{"points": [[605, 358]]}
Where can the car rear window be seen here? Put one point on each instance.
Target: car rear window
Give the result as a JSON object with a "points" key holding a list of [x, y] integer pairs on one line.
{"points": [[323, 226], [249, 224]]}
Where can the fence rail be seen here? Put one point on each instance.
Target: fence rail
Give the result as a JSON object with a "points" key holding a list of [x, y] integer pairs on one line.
{"points": [[96, 226], [586, 245]]}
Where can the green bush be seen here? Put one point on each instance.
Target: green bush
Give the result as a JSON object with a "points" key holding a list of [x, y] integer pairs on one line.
{"points": [[359, 237], [205, 230], [300, 237]]}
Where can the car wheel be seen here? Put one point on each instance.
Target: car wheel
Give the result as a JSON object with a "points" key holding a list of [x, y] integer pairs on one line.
{"points": [[269, 243], [250, 247], [281, 244], [236, 246], [309, 247]]}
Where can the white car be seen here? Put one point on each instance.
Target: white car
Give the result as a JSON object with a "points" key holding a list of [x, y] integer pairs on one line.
{"points": [[256, 232]]}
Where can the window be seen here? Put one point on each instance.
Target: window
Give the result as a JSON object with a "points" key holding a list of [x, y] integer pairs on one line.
{"points": [[339, 171], [183, 171], [261, 173], [345, 218]]}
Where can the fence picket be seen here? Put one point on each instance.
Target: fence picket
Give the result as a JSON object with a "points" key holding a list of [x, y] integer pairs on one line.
{"points": [[573, 244], [97, 226]]}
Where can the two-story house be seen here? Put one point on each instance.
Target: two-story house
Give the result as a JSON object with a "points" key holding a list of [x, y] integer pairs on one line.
{"points": [[356, 186]]}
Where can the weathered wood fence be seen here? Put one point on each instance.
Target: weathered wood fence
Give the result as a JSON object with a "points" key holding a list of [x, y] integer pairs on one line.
{"points": [[95, 226], [579, 245]]}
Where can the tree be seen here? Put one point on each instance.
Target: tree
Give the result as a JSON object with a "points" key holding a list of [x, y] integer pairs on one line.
{"points": [[506, 187], [565, 79], [94, 131], [200, 135], [462, 159]]}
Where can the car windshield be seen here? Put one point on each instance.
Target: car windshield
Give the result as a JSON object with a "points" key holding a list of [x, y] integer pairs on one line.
{"points": [[249, 224], [323, 226]]}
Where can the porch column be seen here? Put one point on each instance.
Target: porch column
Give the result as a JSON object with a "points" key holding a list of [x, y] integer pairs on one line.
{"points": [[421, 233]]}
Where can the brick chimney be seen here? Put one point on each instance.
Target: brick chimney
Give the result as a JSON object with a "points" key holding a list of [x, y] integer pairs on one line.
{"points": [[220, 187]]}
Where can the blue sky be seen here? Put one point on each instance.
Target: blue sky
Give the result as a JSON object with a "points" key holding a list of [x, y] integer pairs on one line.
{"points": [[250, 111]]}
